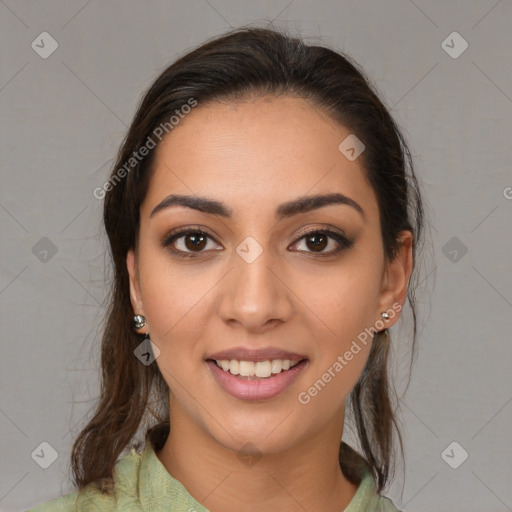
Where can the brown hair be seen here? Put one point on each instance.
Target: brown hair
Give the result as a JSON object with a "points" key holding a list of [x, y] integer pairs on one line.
{"points": [[247, 61]]}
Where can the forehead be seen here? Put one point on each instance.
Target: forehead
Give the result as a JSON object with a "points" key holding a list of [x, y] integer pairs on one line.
{"points": [[263, 151]]}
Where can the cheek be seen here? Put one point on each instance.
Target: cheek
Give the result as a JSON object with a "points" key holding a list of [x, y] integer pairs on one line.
{"points": [[333, 377], [341, 302], [343, 307], [174, 296]]}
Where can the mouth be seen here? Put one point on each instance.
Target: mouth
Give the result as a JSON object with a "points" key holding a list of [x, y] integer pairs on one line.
{"points": [[255, 369], [251, 377]]}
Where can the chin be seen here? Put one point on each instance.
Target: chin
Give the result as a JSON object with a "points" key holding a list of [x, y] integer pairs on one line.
{"points": [[264, 434]]}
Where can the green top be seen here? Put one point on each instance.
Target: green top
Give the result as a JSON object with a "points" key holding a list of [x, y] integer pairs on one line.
{"points": [[143, 484]]}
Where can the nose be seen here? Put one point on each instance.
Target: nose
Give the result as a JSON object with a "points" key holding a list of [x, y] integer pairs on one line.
{"points": [[255, 295]]}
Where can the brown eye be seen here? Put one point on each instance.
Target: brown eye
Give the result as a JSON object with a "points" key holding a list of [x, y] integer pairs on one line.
{"points": [[188, 242], [195, 241], [316, 241]]}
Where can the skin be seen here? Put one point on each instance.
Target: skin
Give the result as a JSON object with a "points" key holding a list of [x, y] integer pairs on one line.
{"points": [[253, 156]]}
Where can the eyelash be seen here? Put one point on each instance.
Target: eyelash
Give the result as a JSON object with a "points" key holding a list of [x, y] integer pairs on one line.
{"points": [[344, 243]]}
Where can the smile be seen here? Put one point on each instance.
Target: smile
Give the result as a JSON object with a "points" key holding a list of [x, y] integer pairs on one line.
{"points": [[255, 380], [260, 369]]}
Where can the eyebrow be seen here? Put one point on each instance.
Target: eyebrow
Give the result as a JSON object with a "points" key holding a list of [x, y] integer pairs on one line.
{"points": [[302, 204]]}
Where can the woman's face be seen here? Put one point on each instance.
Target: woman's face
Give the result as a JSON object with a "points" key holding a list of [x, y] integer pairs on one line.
{"points": [[255, 287]]}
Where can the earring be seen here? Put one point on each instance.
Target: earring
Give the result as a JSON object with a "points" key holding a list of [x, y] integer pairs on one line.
{"points": [[385, 316], [139, 322]]}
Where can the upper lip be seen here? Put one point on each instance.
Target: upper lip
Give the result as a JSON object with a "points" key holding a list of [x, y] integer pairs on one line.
{"points": [[262, 354]]}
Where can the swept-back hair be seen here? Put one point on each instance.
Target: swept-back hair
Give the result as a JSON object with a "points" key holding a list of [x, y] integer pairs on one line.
{"points": [[247, 63]]}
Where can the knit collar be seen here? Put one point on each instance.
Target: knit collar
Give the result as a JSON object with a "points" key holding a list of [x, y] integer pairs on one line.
{"points": [[158, 491]]}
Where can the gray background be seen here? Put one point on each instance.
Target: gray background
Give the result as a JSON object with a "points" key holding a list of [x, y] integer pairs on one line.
{"points": [[63, 118]]}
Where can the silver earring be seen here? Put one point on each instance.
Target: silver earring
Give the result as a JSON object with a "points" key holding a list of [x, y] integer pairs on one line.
{"points": [[384, 316], [139, 321]]}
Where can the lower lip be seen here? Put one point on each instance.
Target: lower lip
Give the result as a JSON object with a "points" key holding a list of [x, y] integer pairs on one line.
{"points": [[255, 389]]}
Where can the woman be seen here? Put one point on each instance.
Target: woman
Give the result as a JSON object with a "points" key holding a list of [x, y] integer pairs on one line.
{"points": [[264, 220]]}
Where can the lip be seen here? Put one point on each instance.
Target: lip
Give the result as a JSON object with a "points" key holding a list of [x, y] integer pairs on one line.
{"points": [[255, 389], [262, 354]]}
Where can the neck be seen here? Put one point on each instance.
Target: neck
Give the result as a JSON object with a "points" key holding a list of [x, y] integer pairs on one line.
{"points": [[303, 477]]}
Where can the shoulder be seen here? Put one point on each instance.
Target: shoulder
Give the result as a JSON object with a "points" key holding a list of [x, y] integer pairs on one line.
{"points": [[65, 503], [91, 499], [385, 505], [367, 499]]}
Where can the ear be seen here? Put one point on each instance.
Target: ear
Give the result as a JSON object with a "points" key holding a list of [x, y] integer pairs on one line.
{"points": [[395, 280], [135, 295]]}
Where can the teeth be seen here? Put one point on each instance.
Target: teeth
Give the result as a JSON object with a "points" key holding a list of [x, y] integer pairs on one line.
{"points": [[233, 366], [277, 366], [247, 368], [261, 369]]}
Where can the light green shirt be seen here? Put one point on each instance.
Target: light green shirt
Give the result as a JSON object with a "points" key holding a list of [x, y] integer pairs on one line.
{"points": [[143, 484]]}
